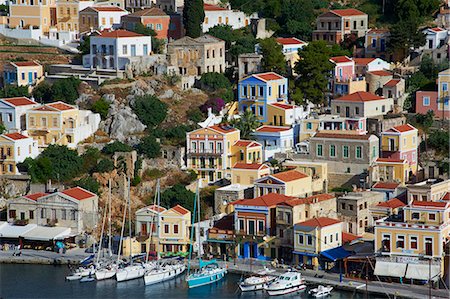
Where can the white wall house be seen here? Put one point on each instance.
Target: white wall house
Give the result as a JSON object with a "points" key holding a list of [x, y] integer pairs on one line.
{"points": [[291, 44], [436, 38], [216, 15], [13, 112], [22, 147], [115, 49], [364, 65]]}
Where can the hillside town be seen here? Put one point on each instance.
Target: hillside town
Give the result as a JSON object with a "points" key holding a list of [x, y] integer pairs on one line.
{"points": [[285, 133]]}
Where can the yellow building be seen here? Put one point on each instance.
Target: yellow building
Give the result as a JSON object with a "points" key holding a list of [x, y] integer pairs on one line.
{"points": [[247, 173], [14, 149], [282, 114], [23, 73], [60, 123], [212, 151], [413, 245], [290, 183], [386, 208], [35, 13], [392, 170], [67, 13]]}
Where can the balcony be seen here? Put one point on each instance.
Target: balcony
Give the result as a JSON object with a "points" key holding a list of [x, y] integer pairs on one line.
{"points": [[3, 157], [204, 152], [387, 148]]}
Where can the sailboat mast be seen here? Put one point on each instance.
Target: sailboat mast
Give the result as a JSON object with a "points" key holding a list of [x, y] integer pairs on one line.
{"points": [[158, 190], [129, 215], [101, 236], [122, 231], [109, 218], [199, 252], [192, 229]]}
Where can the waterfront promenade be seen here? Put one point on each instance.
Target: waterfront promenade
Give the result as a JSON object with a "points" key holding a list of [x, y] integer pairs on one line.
{"points": [[29, 256]]}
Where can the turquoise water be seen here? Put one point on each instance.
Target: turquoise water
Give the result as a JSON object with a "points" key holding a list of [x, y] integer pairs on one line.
{"points": [[42, 281]]}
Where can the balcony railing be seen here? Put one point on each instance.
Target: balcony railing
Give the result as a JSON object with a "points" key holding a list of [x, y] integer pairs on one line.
{"points": [[387, 148], [199, 152]]}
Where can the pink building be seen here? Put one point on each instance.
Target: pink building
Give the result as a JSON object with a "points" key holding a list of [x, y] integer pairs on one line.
{"points": [[344, 80], [344, 68]]}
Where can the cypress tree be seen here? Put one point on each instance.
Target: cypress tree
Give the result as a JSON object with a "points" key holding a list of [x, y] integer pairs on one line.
{"points": [[193, 16]]}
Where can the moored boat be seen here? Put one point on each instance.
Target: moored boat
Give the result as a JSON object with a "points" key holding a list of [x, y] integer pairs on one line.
{"points": [[164, 273], [286, 283], [321, 291], [255, 283], [208, 273]]}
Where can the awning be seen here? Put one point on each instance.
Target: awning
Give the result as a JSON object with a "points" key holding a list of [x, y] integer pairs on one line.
{"points": [[335, 253], [220, 241], [305, 253], [390, 269], [44, 233], [15, 231], [422, 271]]}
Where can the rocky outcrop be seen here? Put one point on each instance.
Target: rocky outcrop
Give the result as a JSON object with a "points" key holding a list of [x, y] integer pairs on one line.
{"points": [[154, 65]]}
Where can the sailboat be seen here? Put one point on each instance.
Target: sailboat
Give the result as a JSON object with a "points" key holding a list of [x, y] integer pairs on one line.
{"points": [[209, 271], [164, 270], [133, 270]]}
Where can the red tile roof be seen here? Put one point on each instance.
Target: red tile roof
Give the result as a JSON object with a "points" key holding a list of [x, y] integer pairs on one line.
{"points": [[403, 128], [250, 166], [78, 193], [107, 8], [19, 101], [436, 29], [61, 106], [210, 7], [35, 196], [340, 59], [319, 222], [148, 12], [283, 106], [15, 136], [156, 208], [268, 76], [341, 136], [390, 160], [290, 41], [272, 129], [347, 12], [363, 61], [180, 209], [381, 73], [246, 143], [431, 204], [446, 196], [392, 82], [290, 175], [391, 204], [25, 63], [385, 185], [267, 200], [223, 128], [359, 96], [310, 199], [374, 30], [346, 237], [119, 34]]}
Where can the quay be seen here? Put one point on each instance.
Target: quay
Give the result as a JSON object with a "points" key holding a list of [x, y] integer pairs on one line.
{"points": [[41, 257]]}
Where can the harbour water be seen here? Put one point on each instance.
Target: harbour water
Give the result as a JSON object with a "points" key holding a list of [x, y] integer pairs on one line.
{"points": [[45, 281]]}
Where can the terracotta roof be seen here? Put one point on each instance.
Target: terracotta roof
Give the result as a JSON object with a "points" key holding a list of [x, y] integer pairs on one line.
{"points": [[359, 96], [319, 222], [385, 185], [391, 204], [341, 136], [403, 128], [15, 136], [283, 106], [246, 143], [381, 73], [432, 204], [363, 61], [78, 193], [310, 199], [446, 196], [272, 129], [340, 59], [392, 82], [267, 200], [120, 33], [290, 175], [374, 30], [180, 209], [210, 7], [25, 63], [268, 76], [250, 166], [347, 12], [436, 29], [156, 208], [391, 160], [61, 106], [148, 12], [35, 196], [347, 237], [107, 8], [290, 41], [223, 128], [19, 101]]}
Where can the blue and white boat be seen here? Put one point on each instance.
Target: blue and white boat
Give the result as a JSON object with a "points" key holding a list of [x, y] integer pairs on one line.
{"points": [[209, 272]]}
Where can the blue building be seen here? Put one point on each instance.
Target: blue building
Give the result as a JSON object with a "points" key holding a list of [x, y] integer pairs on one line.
{"points": [[275, 139], [256, 91], [22, 73], [13, 112]]}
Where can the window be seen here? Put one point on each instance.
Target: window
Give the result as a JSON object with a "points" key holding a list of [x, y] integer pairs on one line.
{"points": [[31, 215], [383, 108], [145, 47], [166, 228], [332, 151], [343, 205], [261, 91], [350, 207], [374, 42], [415, 216], [260, 226], [158, 27], [331, 238], [72, 215], [133, 50], [309, 239], [175, 228], [111, 21], [360, 223], [345, 151], [103, 21], [319, 150], [357, 110], [300, 239], [431, 216], [359, 152], [63, 215], [413, 242], [261, 110], [124, 49], [241, 224], [444, 86], [401, 242], [338, 109], [309, 126], [23, 76], [325, 240]]}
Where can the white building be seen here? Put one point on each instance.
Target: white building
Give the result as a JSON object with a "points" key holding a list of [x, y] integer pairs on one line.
{"points": [[100, 18], [115, 49], [291, 44], [436, 38], [14, 149], [364, 65], [216, 15], [13, 111]]}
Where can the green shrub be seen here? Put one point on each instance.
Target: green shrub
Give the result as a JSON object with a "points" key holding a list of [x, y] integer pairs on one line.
{"points": [[149, 147], [150, 110], [101, 107], [88, 183], [116, 146], [104, 165]]}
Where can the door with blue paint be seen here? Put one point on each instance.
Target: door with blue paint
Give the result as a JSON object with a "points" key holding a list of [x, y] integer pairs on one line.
{"points": [[30, 78]]}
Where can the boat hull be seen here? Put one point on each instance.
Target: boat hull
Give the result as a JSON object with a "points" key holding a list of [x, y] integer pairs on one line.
{"points": [[287, 290], [251, 287], [104, 274], [194, 282], [160, 276], [129, 274]]}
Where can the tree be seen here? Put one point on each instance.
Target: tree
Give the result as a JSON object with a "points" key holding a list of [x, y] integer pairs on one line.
{"points": [[247, 124], [178, 195], [237, 41], [149, 147], [150, 110], [12, 91], [193, 16], [313, 69], [88, 183], [43, 92], [104, 165], [273, 59], [2, 128], [90, 158], [439, 141], [65, 163], [39, 169], [218, 84], [85, 45], [216, 105], [297, 17], [425, 121], [65, 90], [116, 146], [101, 107]]}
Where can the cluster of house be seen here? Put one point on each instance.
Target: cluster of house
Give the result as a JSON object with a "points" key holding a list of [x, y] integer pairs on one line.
{"points": [[30, 127]]}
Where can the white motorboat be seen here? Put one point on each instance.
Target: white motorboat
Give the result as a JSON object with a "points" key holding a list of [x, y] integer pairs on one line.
{"points": [[255, 283], [81, 272], [73, 277], [286, 283], [163, 273], [321, 291]]}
